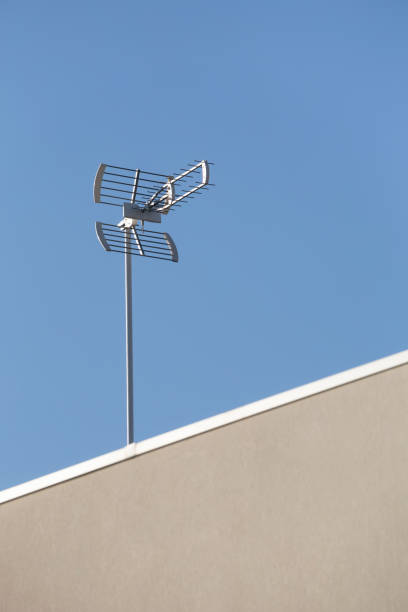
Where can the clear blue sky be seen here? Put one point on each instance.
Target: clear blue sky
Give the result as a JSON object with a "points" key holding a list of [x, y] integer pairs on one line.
{"points": [[292, 268]]}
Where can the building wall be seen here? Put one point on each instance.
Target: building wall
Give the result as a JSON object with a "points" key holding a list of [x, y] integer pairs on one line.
{"points": [[304, 507]]}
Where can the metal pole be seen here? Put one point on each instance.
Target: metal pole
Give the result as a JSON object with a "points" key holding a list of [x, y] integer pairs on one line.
{"points": [[129, 340]]}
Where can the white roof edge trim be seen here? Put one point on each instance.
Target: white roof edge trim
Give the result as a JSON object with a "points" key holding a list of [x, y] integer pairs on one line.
{"points": [[199, 427]]}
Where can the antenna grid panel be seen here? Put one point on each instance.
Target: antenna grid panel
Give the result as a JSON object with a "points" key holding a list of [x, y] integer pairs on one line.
{"points": [[148, 191], [132, 241]]}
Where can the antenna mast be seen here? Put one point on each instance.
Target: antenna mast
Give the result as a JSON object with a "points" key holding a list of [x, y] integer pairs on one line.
{"points": [[129, 341], [143, 197]]}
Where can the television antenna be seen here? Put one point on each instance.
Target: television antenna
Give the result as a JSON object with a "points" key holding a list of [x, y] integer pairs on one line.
{"points": [[144, 198]]}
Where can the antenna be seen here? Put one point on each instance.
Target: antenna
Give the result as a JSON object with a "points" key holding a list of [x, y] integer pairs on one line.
{"points": [[144, 197]]}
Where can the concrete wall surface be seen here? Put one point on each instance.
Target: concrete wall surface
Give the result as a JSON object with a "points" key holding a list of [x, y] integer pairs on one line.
{"points": [[302, 508]]}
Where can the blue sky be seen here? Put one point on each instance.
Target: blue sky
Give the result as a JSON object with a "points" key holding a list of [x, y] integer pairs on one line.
{"points": [[292, 268]]}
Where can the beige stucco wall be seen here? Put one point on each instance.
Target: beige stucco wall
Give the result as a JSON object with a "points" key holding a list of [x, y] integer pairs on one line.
{"points": [[303, 508]]}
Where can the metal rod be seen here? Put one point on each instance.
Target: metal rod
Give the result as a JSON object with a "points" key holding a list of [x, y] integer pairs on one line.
{"points": [[150, 244], [154, 173], [135, 250], [154, 244], [136, 181], [129, 342], [117, 189], [129, 184], [144, 231], [155, 181], [131, 177], [119, 233], [122, 198], [134, 170], [120, 167], [108, 195], [138, 254]]}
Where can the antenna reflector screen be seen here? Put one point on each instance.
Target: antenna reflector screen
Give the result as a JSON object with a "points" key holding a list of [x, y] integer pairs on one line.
{"points": [[136, 241]]}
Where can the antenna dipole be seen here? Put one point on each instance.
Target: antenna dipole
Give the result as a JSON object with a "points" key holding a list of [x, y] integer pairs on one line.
{"points": [[144, 197]]}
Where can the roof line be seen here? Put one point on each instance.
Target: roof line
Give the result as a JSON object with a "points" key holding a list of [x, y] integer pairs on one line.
{"points": [[208, 424]]}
